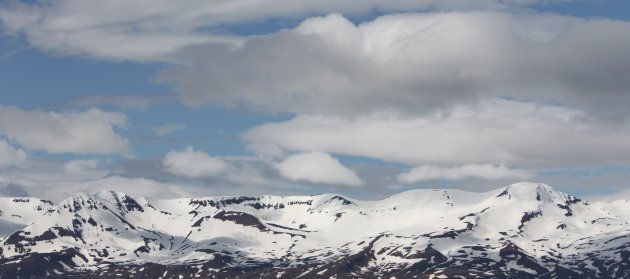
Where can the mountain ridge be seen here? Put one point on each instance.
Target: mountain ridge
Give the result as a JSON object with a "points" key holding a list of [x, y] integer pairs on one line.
{"points": [[527, 230]]}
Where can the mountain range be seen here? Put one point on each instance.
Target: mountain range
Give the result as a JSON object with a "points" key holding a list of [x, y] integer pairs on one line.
{"points": [[525, 230]]}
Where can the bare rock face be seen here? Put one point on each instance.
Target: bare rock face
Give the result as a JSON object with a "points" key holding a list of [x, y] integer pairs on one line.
{"points": [[525, 230]]}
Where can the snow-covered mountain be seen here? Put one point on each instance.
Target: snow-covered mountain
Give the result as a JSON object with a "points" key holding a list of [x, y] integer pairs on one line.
{"points": [[525, 230]]}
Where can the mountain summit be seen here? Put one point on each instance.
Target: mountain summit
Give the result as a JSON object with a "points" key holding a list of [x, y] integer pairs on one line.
{"points": [[525, 230]]}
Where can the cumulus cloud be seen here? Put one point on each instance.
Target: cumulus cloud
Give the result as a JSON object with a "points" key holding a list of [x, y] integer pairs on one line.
{"points": [[492, 131], [194, 164], [485, 171], [317, 167], [10, 156], [87, 132], [416, 63], [168, 128], [143, 30]]}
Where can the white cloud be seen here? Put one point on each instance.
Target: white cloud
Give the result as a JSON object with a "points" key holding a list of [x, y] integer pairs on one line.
{"points": [[485, 171], [317, 167], [80, 166], [145, 30], [415, 63], [168, 128], [10, 156], [88, 132], [191, 163], [83, 169], [118, 30], [621, 195], [493, 131]]}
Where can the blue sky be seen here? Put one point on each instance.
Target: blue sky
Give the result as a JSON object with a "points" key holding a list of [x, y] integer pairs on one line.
{"points": [[233, 95]]}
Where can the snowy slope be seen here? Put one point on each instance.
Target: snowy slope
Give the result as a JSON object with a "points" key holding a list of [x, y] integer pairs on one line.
{"points": [[523, 230], [18, 212]]}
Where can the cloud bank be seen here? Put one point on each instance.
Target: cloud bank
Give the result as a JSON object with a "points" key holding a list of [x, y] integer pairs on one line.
{"points": [[416, 63], [141, 30], [493, 131], [487, 171], [85, 168], [87, 132]]}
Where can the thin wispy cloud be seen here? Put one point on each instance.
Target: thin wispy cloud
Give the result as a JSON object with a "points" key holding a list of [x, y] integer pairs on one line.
{"points": [[117, 101], [168, 128]]}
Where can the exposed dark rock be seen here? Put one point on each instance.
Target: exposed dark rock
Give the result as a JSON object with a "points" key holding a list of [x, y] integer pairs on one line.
{"points": [[241, 218], [527, 216]]}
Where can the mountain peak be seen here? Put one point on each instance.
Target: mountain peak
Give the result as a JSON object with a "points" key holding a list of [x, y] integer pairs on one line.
{"points": [[108, 194], [530, 191]]}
